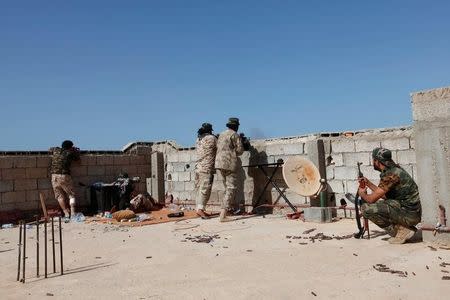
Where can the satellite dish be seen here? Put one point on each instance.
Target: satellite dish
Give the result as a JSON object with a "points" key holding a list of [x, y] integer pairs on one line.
{"points": [[301, 176]]}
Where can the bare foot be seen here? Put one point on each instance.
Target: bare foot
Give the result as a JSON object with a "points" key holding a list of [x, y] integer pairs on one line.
{"points": [[201, 213]]}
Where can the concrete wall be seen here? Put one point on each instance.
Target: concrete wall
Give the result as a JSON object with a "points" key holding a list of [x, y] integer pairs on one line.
{"points": [[431, 113], [343, 151], [24, 174]]}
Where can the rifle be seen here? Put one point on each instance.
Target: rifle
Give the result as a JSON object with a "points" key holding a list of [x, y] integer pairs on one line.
{"points": [[361, 229]]}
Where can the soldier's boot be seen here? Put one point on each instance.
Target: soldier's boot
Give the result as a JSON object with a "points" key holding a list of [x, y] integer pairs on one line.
{"points": [[391, 230], [223, 216], [403, 234]]}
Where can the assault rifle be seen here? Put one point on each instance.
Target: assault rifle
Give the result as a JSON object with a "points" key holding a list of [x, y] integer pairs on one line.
{"points": [[358, 200]]}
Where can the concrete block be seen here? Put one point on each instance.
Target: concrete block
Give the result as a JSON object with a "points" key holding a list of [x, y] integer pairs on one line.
{"points": [[184, 156], [169, 167], [179, 167], [172, 157], [25, 184], [79, 171], [189, 186], [351, 186], [32, 196], [414, 174], [337, 159], [130, 169], [184, 176], [43, 161], [6, 162], [144, 169], [396, 144], [293, 149], [24, 162], [36, 172], [406, 157], [178, 186], [121, 160], [194, 156], [96, 170], [345, 172], [274, 149], [113, 170], [172, 176], [105, 160], [14, 197], [318, 214], [351, 159], [137, 159], [44, 183], [366, 146], [88, 160], [6, 186], [14, 173], [337, 186], [343, 145]]}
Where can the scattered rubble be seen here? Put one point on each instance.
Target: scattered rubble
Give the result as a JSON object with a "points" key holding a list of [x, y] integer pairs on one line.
{"points": [[202, 238], [385, 269]]}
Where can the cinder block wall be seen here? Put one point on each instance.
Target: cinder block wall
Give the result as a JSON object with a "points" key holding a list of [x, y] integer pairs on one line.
{"points": [[343, 151], [24, 174]]}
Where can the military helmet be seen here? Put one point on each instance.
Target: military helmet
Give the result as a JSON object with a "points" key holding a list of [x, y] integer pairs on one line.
{"points": [[207, 127]]}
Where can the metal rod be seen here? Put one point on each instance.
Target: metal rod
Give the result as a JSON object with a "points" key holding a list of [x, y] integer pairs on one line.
{"points": [[37, 246], [434, 228], [20, 249], [45, 246], [53, 246], [24, 251], [61, 246]]}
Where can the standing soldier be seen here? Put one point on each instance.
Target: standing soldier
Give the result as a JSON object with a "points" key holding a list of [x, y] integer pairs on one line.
{"points": [[61, 180], [206, 146], [229, 147]]}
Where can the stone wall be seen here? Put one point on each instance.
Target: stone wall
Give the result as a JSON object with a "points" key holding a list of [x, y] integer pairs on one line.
{"points": [[343, 151]]}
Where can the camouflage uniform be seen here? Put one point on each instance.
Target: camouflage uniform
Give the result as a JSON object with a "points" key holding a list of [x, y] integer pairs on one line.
{"points": [[60, 169], [229, 147], [402, 205], [204, 169]]}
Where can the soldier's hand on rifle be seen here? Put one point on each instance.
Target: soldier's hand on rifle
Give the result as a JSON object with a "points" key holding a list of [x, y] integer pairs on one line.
{"points": [[362, 190], [363, 181]]}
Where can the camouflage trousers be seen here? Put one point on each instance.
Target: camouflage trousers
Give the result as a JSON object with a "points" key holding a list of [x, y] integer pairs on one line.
{"points": [[230, 184], [203, 186], [63, 188], [389, 212]]}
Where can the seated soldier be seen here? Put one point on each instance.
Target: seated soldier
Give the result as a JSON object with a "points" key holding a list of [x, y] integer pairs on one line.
{"points": [[401, 209]]}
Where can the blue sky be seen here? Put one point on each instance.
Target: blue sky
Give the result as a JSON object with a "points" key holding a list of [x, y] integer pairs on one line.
{"points": [[104, 73]]}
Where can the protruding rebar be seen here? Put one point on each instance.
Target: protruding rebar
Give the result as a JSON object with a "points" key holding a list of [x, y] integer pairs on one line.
{"points": [[20, 250], [37, 246], [53, 246], [45, 247], [61, 246], [24, 251]]}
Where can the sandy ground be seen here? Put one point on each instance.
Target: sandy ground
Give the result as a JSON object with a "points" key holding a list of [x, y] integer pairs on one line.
{"points": [[247, 259]]}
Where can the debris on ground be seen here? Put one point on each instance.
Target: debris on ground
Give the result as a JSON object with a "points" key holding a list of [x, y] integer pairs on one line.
{"points": [[385, 269], [314, 294], [444, 264], [445, 277], [309, 231], [432, 248], [202, 238], [50, 294]]}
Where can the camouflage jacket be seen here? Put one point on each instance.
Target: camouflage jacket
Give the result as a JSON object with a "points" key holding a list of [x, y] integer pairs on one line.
{"points": [[229, 147], [206, 146], [62, 159], [400, 186]]}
